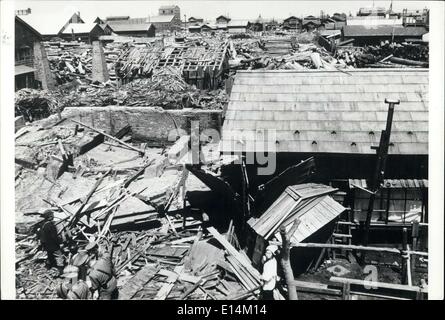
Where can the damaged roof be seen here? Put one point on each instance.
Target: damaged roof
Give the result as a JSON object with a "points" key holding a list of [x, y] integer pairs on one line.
{"points": [[309, 203], [326, 111]]}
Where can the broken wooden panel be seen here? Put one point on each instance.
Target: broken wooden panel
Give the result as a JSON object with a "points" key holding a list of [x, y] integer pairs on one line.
{"points": [[88, 142], [137, 283]]}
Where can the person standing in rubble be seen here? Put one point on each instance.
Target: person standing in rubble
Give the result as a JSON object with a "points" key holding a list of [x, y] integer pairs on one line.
{"points": [[269, 276], [102, 278], [50, 241]]}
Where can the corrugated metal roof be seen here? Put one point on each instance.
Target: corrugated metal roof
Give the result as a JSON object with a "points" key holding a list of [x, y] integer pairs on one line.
{"points": [[391, 183], [326, 111], [382, 30], [307, 202]]}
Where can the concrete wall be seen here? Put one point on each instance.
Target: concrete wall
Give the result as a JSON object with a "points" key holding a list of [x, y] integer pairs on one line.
{"points": [[100, 71], [147, 123]]}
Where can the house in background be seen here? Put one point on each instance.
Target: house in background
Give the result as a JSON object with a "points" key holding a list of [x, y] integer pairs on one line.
{"points": [[194, 28], [25, 36], [170, 10], [222, 22], [377, 11], [164, 23], [372, 35], [51, 28], [237, 26], [135, 30], [292, 23], [311, 23], [168, 19], [31, 63], [99, 20], [86, 32], [195, 21]]}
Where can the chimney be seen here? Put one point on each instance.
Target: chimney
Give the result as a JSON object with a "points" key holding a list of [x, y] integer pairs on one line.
{"points": [[28, 11]]}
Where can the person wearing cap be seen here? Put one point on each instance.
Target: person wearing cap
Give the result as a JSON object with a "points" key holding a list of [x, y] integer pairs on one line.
{"points": [[102, 278], [269, 276], [50, 241]]}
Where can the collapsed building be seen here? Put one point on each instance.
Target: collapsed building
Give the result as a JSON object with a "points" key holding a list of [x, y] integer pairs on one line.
{"points": [[209, 147]]}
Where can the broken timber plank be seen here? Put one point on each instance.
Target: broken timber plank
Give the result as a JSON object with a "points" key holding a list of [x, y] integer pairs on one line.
{"points": [[241, 259], [167, 287], [110, 136]]}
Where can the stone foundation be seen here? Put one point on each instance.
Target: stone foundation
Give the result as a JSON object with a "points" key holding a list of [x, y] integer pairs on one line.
{"points": [[148, 124]]}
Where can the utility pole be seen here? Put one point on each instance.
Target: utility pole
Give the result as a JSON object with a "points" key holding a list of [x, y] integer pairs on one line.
{"points": [[185, 23], [382, 154]]}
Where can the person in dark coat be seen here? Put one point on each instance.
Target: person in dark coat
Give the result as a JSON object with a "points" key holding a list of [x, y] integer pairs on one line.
{"points": [[51, 242]]}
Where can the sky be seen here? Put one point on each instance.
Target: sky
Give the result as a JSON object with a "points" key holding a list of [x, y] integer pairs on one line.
{"points": [[208, 10]]}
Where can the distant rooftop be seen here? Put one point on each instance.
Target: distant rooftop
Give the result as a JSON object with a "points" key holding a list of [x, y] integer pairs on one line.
{"points": [[79, 28]]}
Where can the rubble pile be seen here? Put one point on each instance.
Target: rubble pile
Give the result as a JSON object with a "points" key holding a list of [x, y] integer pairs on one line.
{"points": [[166, 89], [131, 208], [385, 55], [37, 104], [69, 60]]}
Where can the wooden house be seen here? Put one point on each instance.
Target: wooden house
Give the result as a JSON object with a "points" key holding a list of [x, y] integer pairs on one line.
{"points": [[135, 30], [86, 32], [332, 116], [25, 37]]}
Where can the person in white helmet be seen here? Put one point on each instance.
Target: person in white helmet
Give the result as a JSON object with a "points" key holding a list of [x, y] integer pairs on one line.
{"points": [[269, 276]]}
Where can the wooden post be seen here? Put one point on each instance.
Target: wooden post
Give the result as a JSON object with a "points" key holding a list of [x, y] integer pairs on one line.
{"points": [[388, 196], [415, 235], [405, 255], [346, 292], [285, 263], [379, 172]]}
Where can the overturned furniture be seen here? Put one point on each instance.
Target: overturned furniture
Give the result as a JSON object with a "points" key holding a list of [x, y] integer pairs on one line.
{"points": [[312, 206]]}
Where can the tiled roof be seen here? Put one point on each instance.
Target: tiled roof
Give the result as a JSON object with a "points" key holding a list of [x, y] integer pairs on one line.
{"points": [[327, 111]]}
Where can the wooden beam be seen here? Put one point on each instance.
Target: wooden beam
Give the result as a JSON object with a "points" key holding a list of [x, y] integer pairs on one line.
{"points": [[339, 246], [110, 137], [380, 285], [232, 251]]}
